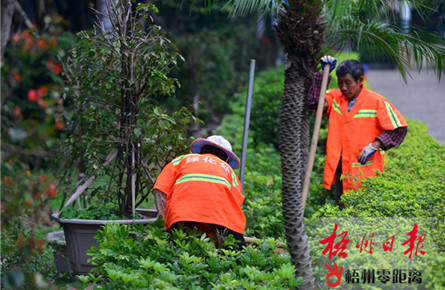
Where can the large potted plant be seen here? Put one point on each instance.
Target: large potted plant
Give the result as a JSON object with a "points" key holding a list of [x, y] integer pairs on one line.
{"points": [[119, 137]]}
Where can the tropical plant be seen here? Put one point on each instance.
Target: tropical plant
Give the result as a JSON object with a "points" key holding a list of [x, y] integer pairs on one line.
{"points": [[410, 189], [118, 134], [301, 29]]}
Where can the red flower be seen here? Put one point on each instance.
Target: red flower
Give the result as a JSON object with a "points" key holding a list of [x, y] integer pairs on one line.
{"points": [[7, 180], [18, 113], [36, 194], [52, 191], [17, 77], [42, 44], [29, 43], [25, 33], [15, 37], [33, 96], [42, 104], [42, 178], [265, 40], [59, 125], [42, 91], [53, 41], [54, 67]]}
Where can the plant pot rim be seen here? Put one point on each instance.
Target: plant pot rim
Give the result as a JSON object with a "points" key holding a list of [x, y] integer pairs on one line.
{"points": [[55, 216]]}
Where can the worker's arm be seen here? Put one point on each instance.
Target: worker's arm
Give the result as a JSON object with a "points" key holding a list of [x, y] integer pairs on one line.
{"points": [[314, 91], [386, 140], [392, 138], [160, 201]]}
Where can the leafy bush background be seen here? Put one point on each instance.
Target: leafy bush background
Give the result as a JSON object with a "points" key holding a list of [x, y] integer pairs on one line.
{"points": [[410, 191], [411, 187]]}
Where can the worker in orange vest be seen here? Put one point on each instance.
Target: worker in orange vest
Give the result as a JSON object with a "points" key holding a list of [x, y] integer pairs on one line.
{"points": [[202, 190], [362, 125]]}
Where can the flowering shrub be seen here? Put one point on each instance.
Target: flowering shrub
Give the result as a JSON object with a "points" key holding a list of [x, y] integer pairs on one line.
{"points": [[33, 114], [26, 193], [25, 201], [32, 105]]}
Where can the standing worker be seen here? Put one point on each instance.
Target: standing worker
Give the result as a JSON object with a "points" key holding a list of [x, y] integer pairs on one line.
{"points": [[201, 190], [362, 124]]}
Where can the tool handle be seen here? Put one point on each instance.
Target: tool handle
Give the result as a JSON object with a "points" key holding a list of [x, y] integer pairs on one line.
{"points": [[307, 178]]}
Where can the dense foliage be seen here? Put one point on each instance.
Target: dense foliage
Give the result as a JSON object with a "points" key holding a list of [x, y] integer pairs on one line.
{"points": [[118, 133], [142, 257], [410, 191], [33, 118], [216, 50], [364, 214], [33, 121]]}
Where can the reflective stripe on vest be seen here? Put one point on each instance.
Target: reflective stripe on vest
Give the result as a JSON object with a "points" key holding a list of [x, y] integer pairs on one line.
{"points": [[360, 165], [336, 107], [177, 160], [366, 113], [203, 177], [392, 116], [234, 182]]}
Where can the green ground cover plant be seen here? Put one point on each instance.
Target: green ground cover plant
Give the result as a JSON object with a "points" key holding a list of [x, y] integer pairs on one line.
{"points": [[147, 257], [411, 189]]}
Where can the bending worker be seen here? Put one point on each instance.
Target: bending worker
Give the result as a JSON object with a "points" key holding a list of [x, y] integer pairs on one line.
{"points": [[201, 190], [362, 124]]}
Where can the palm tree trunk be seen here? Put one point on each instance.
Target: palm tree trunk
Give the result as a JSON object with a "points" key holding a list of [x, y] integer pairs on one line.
{"points": [[294, 144]]}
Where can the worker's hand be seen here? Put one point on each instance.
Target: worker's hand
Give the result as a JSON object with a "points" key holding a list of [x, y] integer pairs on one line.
{"points": [[160, 201], [328, 59], [366, 153]]}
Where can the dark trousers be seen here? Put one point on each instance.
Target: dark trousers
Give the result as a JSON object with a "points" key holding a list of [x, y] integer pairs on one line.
{"points": [[338, 186], [213, 230]]}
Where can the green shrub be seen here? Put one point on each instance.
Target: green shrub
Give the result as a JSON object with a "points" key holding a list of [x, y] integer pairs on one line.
{"points": [[33, 109], [411, 187], [147, 257]]}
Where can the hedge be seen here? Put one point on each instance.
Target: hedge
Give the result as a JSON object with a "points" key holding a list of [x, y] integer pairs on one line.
{"points": [[411, 190]]}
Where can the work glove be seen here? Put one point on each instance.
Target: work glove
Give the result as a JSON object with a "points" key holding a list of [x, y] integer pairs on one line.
{"points": [[366, 153], [328, 59]]}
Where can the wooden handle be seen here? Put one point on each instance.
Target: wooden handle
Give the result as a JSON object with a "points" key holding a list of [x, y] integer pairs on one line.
{"points": [[307, 178]]}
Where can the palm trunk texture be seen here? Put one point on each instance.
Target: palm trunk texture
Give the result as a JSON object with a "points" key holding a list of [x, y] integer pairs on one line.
{"points": [[294, 142], [300, 30]]}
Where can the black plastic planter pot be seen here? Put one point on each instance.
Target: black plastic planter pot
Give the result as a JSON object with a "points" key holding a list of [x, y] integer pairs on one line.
{"points": [[79, 237]]}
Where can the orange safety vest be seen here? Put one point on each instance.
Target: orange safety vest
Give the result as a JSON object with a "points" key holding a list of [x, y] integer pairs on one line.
{"points": [[348, 133], [202, 188]]}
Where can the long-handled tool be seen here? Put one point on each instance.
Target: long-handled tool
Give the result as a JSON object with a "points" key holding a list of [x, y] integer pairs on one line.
{"points": [[307, 178]]}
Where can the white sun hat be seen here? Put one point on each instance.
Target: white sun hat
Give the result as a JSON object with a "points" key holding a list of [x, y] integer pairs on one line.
{"points": [[218, 142]]}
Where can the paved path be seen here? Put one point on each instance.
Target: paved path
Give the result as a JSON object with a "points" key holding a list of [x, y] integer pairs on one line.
{"points": [[421, 99]]}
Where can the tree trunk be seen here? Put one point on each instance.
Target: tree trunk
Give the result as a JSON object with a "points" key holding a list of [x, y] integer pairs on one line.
{"points": [[294, 143], [7, 13]]}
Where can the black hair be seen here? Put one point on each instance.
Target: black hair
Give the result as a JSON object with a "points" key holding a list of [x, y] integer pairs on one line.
{"points": [[215, 151], [352, 67]]}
